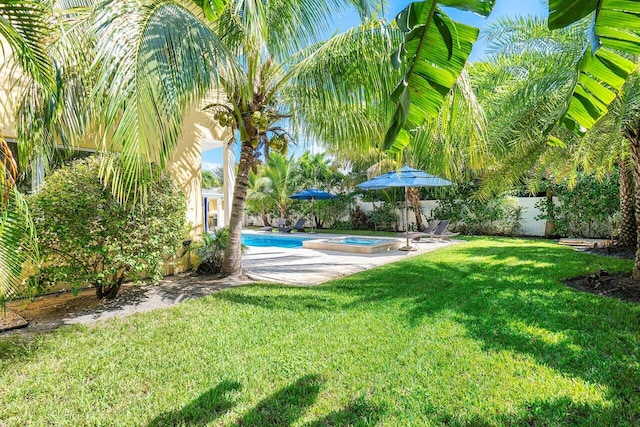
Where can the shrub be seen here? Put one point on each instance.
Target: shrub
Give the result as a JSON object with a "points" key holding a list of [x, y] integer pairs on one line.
{"points": [[87, 237], [496, 216], [342, 225], [588, 209], [359, 219], [383, 217]]}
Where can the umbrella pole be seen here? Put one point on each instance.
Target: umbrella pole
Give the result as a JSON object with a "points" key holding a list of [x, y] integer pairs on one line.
{"points": [[408, 247], [313, 214]]}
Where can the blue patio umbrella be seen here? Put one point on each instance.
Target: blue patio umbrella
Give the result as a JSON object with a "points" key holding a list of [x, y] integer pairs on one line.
{"points": [[405, 177], [312, 194]]}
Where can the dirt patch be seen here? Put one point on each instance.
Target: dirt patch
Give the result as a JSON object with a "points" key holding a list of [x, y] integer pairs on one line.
{"points": [[52, 311], [620, 285]]}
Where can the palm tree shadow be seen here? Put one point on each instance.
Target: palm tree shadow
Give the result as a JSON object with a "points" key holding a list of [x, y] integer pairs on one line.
{"points": [[284, 406], [358, 413], [209, 406]]}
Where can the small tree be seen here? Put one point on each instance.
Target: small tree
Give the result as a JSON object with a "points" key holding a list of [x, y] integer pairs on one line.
{"points": [[87, 237]]}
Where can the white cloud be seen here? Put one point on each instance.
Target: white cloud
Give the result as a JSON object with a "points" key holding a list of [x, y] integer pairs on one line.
{"points": [[210, 166]]}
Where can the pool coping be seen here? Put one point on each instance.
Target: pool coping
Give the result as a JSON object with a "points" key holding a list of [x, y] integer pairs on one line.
{"points": [[331, 244]]}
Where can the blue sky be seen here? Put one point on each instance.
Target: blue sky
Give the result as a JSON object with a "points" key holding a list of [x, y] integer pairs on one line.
{"points": [[501, 9]]}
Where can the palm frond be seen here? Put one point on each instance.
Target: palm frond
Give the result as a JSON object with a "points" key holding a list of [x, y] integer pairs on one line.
{"points": [[24, 27], [17, 245], [339, 89], [154, 59]]}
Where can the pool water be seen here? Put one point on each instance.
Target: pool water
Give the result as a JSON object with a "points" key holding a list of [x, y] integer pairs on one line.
{"points": [[360, 241], [277, 241]]}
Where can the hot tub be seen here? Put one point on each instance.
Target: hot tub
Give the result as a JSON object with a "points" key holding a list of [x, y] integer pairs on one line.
{"points": [[361, 245]]}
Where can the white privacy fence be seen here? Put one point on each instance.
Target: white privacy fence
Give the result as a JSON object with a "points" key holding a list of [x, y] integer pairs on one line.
{"points": [[530, 225]]}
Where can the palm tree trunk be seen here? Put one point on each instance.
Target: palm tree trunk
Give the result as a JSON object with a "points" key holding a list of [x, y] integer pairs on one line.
{"points": [[627, 206], [232, 264], [634, 139], [414, 197]]}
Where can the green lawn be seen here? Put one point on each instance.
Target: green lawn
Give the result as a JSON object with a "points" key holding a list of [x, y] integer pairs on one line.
{"points": [[481, 333]]}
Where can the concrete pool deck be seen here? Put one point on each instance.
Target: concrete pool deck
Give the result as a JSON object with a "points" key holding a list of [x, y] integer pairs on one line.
{"points": [[301, 266]]}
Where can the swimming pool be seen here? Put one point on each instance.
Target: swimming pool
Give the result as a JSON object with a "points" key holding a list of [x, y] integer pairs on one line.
{"points": [[262, 240], [361, 245]]}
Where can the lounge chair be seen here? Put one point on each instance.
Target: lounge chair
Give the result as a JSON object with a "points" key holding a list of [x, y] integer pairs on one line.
{"points": [[298, 226], [440, 232], [282, 225], [425, 232]]}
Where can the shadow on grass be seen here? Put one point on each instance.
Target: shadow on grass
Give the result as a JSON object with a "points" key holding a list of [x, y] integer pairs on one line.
{"points": [[508, 296], [207, 407], [554, 412], [357, 413], [286, 405]]}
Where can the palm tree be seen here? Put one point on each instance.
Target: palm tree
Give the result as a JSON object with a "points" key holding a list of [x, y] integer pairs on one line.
{"points": [[523, 87], [275, 183], [23, 29]]}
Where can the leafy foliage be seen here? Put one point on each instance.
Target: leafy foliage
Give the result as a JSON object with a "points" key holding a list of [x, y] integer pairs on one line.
{"points": [[587, 209], [359, 219], [210, 251], [494, 216], [383, 217], [87, 238], [602, 70], [209, 180], [435, 49]]}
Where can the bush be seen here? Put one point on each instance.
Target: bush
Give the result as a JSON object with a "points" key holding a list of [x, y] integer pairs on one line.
{"points": [[359, 219], [210, 251], [87, 237], [496, 216], [383, 217], [588, 209]]}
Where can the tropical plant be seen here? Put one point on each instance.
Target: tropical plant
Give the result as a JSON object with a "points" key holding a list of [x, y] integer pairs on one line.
{"points": [[256, 199], [210, 251], [383, 217], [602, 69], [587, 208], [434, 52], [317, 171], [23, 30], [497, 215], [209, 180], [87, 238], [274, 184]]}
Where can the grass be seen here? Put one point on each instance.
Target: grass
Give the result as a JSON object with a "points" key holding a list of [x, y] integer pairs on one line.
{"points": [[479, 334]]}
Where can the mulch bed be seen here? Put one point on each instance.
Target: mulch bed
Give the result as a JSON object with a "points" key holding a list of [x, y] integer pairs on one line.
{"points": [[624, 252], [620, 285]]}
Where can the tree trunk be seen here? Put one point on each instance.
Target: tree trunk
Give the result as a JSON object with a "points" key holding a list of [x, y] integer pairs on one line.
{"points": [[109, 292], [634, 138], [549, 226], [232, 264], [414, 197], [627, 207], [265, 218]]}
